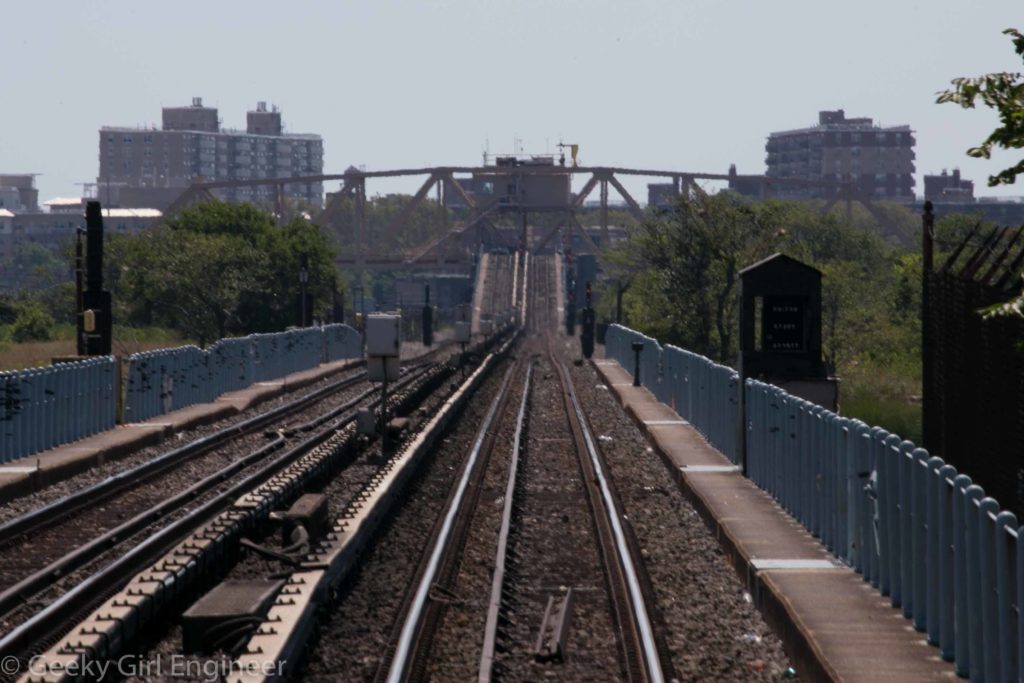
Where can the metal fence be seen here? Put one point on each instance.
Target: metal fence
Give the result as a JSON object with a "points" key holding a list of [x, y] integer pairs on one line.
{"points": [[702, 392], [160, 381], [45, 407], [974, 368], [919, 531]]}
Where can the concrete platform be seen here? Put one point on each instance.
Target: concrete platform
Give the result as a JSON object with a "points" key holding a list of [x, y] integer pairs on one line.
{"points": [[835, 627], [26, 475]]}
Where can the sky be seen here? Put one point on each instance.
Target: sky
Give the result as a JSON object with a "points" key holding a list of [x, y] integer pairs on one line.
{"points": [[682, 85]]}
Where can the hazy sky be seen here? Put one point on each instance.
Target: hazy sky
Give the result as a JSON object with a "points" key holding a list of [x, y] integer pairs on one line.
{"points": [[688, 85]]}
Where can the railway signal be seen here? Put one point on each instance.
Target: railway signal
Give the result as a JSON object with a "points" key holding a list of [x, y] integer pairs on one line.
{"points": [[587, 326]]}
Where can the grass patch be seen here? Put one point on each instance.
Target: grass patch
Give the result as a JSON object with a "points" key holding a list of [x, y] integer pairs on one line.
{"points": [[885, 396], [15, 356]]}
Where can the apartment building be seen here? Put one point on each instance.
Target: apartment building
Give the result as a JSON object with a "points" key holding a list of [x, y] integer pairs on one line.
{"points": [[878, 162], [149, 167]]}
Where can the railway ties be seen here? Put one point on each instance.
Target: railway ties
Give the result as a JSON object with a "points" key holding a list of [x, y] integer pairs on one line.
{"points": [[544, 584], [58, 587], [490, 544]]}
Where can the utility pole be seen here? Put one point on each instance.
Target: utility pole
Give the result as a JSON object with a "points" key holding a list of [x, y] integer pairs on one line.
{"points": [[303, 287], [927, 264]]}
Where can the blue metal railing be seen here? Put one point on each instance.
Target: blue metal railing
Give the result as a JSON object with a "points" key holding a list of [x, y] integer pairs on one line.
{"points": [[45, 407], [916, 529], [168, 379], [702, 392]]}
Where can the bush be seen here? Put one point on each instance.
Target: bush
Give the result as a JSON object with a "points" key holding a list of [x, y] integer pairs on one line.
{"points": [[32, 324]]}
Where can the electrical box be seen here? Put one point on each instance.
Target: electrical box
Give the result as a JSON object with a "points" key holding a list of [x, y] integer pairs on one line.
{"points": [[486, 327], [382, 368], [383, 336], [462, 332]]}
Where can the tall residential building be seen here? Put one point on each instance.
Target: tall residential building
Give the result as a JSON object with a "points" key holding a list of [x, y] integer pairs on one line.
{"points": [[149, 167], [878, 161]]}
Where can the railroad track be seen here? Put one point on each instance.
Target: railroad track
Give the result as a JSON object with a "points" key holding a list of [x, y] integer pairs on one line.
{"points": [[89, 542], [541, 572], [535, 585], [324, 446]]}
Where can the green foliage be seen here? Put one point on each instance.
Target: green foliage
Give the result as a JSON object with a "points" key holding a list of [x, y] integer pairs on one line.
{"points": [[34, 266], [690, 258], [217, 270], [683, 268], [1003, 92], [31, 324]]}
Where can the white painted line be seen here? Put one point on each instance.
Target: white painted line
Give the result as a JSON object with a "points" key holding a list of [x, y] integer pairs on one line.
{"points": [[605, 362], [623, 384], [656, 423], [162, 425], [796, 564], [15, 469], [710, 468]]}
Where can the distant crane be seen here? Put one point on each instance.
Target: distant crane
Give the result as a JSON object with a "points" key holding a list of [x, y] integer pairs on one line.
{"points": [[573, 150]]}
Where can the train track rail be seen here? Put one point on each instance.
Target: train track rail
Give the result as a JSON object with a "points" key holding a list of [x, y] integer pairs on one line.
{"points": [[79, 578], [642, 658], [412, 638], [201, 543], [642, 655]]}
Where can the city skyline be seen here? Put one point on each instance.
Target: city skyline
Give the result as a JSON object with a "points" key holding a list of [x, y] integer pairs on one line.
{"points": [[677, 86]]}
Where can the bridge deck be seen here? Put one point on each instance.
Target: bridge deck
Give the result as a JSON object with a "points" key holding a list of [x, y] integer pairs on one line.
{"points": [[833, 624]]}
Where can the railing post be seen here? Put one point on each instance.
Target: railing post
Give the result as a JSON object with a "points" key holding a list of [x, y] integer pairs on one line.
{"points": [[964, 495], [932, 561], [919, 536], [987, 510], [946, 491], [1005, 538], [906, 529], [1020, 607], [973, 608]]}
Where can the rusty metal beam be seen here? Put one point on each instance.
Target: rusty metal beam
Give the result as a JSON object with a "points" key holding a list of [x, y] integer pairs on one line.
{"points": [[470, 202], [192, 195], [604, 210], [586, 236], [635, 209], [333, 207], [359, 186], [392, 229], [547, 238], [585, 192], [455, 232]]}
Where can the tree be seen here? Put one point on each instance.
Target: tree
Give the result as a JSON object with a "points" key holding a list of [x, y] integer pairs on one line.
{"points": [[221, 269], [32, 324], [1003, 92], [697, 251]]}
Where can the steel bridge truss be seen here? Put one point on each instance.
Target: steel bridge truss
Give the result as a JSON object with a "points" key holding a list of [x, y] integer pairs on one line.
{"points": [[481, 215]]}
